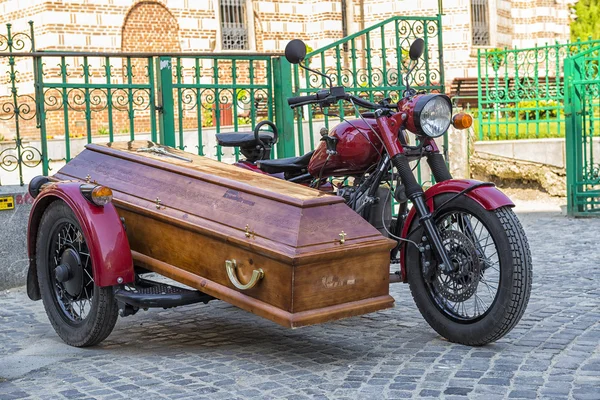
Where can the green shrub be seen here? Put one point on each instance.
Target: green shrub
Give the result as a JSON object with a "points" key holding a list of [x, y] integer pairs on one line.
{"points": [[244, 120], [546, 109], [207, 117]]}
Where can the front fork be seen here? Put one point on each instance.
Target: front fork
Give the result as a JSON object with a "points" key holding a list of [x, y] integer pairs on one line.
{"points": [[415, 194]]}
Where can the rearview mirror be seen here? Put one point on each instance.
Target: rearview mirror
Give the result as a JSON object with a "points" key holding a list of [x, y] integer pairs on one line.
{"points": [[295, 51], [416, 49]]}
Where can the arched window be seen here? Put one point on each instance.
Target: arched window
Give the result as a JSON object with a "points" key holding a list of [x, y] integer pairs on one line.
{"points": [[234, 26], [480, 23], [150, 27]]}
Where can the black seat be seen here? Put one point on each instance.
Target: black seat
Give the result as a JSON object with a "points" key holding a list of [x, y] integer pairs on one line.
{"points": [[242, 139], [290, 164]]}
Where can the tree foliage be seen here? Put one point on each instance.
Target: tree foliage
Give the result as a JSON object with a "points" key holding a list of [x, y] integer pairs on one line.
{"points": [[587, 22]]}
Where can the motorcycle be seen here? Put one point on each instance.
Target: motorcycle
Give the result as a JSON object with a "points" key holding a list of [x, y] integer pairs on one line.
{"points": [[460, 246], [120, 210]]}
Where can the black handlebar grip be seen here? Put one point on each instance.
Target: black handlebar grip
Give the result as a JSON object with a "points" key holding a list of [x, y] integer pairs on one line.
{"points": [[302, 99]]}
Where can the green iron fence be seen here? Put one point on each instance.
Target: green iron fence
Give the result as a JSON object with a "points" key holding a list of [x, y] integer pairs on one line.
{"points": [[219, 91], [56, 102], [172, 99], [521, 91], [582, 112], [87, 95]]}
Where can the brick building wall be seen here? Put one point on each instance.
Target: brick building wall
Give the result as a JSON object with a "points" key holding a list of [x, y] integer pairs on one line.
{"points": [[100, 25], [194, 26]]}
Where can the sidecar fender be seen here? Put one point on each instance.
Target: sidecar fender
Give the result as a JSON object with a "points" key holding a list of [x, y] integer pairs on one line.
{"points": [[102, 229], [489, 197]]}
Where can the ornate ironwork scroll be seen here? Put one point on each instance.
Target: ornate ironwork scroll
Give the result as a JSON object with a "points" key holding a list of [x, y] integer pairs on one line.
{"points": [[16, 109]]}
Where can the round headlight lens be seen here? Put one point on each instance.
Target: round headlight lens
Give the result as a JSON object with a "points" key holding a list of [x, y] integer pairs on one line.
{"points": [[436, 117]]}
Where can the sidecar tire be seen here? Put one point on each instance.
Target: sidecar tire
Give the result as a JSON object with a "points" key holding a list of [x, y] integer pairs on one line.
{"points": [[514, 287], [103, 311]]}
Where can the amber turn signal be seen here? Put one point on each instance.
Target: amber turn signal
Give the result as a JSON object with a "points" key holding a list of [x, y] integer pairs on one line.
{"points": [[101, 195], [462, 121], [96, 194]]}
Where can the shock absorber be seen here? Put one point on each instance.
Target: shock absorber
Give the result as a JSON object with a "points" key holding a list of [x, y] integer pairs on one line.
{"points": [[438, 167], [415, 193]]}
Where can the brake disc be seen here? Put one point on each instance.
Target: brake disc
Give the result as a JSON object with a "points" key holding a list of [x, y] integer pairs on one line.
{"points": [[461, 283]]}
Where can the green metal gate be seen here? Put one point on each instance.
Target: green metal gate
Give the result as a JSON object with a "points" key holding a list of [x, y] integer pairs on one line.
{"points": [[582, 113], [372, 64]]}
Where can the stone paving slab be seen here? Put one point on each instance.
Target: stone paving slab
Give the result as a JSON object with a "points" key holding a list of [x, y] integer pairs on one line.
{"points": [[217, 351]]}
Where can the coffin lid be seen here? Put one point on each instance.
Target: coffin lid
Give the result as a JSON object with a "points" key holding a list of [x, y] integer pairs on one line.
{"points": [[220, 199]]}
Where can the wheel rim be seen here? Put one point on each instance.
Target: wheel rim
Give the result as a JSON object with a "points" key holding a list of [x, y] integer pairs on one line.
{"points": [[70, 271], [469, 291]]}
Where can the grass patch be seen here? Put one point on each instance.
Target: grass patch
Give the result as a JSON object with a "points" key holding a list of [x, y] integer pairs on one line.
{"points": [[510, 129]]}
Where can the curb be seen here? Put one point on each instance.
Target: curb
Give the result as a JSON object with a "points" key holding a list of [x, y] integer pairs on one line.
{"points": [[13, 231]]}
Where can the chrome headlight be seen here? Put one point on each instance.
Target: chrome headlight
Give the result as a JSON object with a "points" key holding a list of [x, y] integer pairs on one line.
{"points": [[433, 114]]}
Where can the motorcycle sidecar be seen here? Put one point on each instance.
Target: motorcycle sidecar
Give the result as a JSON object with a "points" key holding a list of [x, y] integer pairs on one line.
{"points": [[285, 252]]}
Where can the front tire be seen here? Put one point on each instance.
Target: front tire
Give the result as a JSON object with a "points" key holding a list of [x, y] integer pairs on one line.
{"points": [[485, 295], [82, 313]]}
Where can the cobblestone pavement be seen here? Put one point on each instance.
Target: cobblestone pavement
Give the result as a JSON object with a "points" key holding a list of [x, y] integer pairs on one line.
{"points": [[217, 351]]}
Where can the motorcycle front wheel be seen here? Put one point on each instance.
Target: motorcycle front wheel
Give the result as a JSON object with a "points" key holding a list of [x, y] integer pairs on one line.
{"points": [[487, 290]]}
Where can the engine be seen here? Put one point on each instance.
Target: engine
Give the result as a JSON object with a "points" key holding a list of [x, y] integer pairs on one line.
{"points": [[380, 212]]}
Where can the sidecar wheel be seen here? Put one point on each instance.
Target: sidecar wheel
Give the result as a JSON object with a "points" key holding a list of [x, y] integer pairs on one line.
{"points": [[487, 291], [81, 313]]}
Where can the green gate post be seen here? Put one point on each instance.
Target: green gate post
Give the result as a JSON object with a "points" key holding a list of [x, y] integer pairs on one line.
{"points": [[570, 167], [573, 137], [284, 115], [41, 112], [166, 110]]}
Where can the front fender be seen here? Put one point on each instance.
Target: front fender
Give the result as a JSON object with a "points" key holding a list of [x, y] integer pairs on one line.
{"points": [[488, 197], [101, 227]]}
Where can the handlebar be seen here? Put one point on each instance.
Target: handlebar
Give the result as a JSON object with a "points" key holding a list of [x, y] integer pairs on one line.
{"points": [[365, 103], [292, 101], [329, 97]]}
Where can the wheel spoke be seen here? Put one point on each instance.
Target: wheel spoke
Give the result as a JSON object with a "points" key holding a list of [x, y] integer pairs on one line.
{"points": [[69, 237], [473, 252]]}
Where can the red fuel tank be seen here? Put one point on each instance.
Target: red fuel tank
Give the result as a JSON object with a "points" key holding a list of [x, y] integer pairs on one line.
{"points": [[358, 148]]}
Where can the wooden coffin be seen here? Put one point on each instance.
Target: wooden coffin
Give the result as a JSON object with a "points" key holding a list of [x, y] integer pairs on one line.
{"points": [[187, 215]]}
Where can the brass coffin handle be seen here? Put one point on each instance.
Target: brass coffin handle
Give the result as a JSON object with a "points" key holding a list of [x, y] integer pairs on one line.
{"points": [[257, 275]]}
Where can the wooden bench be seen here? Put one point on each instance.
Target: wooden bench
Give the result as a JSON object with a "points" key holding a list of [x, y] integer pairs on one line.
{"points": [[464, 91]]}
